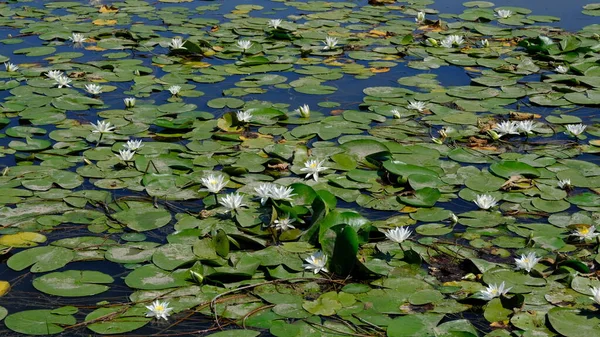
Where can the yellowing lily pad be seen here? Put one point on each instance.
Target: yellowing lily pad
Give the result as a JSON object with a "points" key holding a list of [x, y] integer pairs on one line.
{"points": [[22, 239], [4, 287]]}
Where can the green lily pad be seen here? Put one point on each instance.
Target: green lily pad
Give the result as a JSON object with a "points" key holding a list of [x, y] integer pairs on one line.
{"points": [[38, 322], [41, 259], [573, 322], [73, 283], [117, 319], [424, 197], [509, 168], [143, 218]]}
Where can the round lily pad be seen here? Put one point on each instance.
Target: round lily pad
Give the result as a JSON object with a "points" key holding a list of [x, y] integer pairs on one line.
{"points": [[73, 283]]}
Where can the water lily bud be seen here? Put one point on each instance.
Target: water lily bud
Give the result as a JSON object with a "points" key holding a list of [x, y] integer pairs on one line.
{"points": [[420, 17], [470, 277], [493, 134], [437, 140], [433, 42], [197, 277]]}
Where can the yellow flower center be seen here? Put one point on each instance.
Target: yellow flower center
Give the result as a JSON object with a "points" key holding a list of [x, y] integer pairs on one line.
{"points": [[313, 165], [584, 231], [159, 308]]}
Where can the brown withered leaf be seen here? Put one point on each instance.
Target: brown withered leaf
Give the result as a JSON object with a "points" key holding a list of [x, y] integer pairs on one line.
{"points": [[521, 116], [205, 214], [279, 167], [381, 2], [94, 48], [77, 74], [108, 9], [375, 32], [499, 324], [485, 126], [437, 26], [474, 141], [517, 182], [379, 70], [480, 144]]}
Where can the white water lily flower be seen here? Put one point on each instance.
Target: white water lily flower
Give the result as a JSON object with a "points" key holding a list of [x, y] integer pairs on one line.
{"points": [[527, 262], [244, 44], [159, 310], [214, 183], [281, 193], [546, 40], [484, 43], [313, 167], [398, 234], [330, 43], [77, 38], [316, 262], [263, 191], [506, 128], [485, 201], [232, 202], [575, 129], [493, 290], [420, 17], [243, 116], [396, 114], [446, 43], [11, 67], [283, 224], [133, 145], [595, 294], [174, 90], [177, 43], [274, 23], [444, 131], [125, 155], [102, 127], [564, 183], [504, 14], [457, 40], [525, 126], [304, 111], [63, 81], [54, 74], [585, 233], [129, 102], [417, 105], [93, 89], [452, 41], [561, 69]]}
